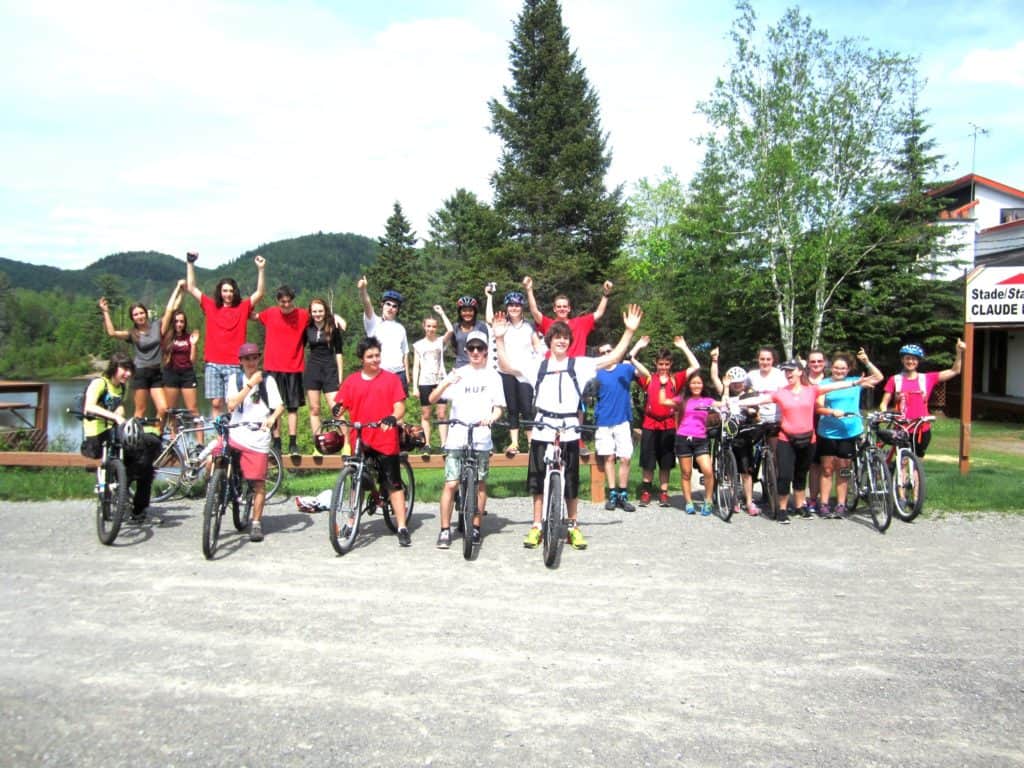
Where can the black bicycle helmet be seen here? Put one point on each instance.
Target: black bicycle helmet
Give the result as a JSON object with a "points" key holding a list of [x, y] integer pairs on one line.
{"points": [[515, 297], [391, 295], [467, 301]]}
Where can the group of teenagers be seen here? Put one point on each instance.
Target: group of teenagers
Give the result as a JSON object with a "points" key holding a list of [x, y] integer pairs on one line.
{"points": [[535, 374]]}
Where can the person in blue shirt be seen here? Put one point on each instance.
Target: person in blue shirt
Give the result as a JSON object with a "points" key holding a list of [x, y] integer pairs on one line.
{"points": [[613, 416], [837, 435]]}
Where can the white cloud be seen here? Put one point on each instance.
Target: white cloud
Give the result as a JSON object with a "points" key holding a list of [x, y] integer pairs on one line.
{"points": [[986, 66]]}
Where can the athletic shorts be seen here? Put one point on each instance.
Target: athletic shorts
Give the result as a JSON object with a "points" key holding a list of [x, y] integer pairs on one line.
{"points": [[425, 390], [690, 446], [614, 441], [570, 474], [320, 377], [842, 449], [216, 377], [389, 476], [453, 464], [253, 463], [183, 379], [149, 377], [657, 449], [290, 387], [518, 400], [400, 373]]}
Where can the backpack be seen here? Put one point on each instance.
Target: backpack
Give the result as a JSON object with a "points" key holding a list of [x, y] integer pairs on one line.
{"points": [[543, 371], [77, 408], [897, 385], [262, 389]]}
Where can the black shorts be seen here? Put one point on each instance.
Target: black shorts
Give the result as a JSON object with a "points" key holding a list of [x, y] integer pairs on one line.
{"points": [[290, 387], [841, 449], [657, 449], [320, 377], [518, 400], [150, 377], [389, 475], [570, 472], [183, 379], [425, 390], [690, 446]]}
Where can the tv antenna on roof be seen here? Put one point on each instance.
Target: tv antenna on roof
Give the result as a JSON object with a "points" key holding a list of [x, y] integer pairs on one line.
{"points": [[974, 148]]}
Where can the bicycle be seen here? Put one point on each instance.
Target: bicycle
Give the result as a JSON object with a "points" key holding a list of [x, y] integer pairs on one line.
{"points": [[728, 486], [355, 492], [765, 464], [183, 461], [870, 475], [555, 519], [225, 487], [906, 467], [466, 499]]}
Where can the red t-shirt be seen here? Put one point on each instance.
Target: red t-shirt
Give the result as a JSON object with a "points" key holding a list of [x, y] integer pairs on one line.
{"points": [[580, 326], [225, 330], [285, 339], [796, 410], [372, 400], [656, 415]]}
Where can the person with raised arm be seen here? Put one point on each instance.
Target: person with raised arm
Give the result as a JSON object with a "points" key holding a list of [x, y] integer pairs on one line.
{"points": [[179, 354], [146, 337], [226, 314], [394, 343], [560, 380], [427, 372], [580, 326]]}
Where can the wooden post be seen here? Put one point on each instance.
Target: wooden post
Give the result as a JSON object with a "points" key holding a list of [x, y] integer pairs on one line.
{"points": [[966, 396]]}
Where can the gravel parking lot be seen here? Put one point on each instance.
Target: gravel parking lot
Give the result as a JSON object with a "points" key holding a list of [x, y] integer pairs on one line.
{"points": [[673, 640]]}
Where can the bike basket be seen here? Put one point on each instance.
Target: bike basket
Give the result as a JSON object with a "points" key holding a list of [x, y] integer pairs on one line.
{"points": [[411, 437]]}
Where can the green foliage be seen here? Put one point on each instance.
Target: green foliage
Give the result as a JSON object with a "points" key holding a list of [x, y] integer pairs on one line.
{"points": [[395, 267], [564, 227]]}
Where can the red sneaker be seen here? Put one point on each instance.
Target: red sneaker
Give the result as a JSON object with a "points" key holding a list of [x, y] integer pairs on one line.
{"points": [[663, 499], [645, 498]]}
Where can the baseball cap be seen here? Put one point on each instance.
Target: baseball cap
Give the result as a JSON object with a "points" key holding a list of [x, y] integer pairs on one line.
{"points": [[248, 349], [476, 336]]}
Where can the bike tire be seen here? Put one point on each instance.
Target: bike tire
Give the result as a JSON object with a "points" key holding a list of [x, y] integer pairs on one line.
{"points": [[554, 536], [241, 513], [347, 503], [213, 509], [409, 481], [467, 511], [880, 502], [727, 479], [770, 483], [112, 501], [167, 471], [275, 474], [856, 482], [908, 485]]}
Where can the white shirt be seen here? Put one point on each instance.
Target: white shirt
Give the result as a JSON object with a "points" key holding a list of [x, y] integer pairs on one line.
{"points": [[472, 399], [557, 394], [394, 344], [765, 385], [254, 440], [519, 348], [431, 355]]}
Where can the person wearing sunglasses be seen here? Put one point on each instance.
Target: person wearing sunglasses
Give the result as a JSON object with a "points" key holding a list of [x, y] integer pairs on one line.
{"points": [[394, 342]]}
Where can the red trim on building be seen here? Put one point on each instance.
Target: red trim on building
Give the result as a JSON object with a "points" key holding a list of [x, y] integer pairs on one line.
{"points": [[1001, 227], [965, 181]]}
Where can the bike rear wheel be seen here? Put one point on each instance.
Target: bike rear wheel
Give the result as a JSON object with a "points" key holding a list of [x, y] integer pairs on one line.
{"points": [[213, 509], [112, 501], [241, 512], [346, 510], [167, 470], [857, 482], [409, 481], [275, 473], [467, 511], [907, 485], [880, 502], [770, 483], [727, 480], [554, 533]]}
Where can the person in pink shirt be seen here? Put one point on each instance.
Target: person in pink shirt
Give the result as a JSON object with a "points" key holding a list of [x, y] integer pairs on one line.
{"points": [[911, 389], [691, 444], [796, 404], [580, 326]]}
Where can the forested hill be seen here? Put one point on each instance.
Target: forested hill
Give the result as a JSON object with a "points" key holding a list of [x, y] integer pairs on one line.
{"points": [[307, 262]]}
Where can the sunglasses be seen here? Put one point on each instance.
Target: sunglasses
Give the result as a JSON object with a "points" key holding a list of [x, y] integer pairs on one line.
{"points": [[476, 348]]}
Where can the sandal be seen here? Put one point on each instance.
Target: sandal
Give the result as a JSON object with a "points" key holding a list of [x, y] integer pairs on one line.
{"points": [[511, 452]]}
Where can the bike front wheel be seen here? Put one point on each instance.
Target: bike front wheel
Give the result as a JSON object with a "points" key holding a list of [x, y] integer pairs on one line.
{"points": [[554, 530], [346, 510], [467, 511], [112, 501], [727, 480], [880, 502], [216, 501], [241, 512], [907, 485], [409, 483], [167, 470], [770, 483], [275, 473]]}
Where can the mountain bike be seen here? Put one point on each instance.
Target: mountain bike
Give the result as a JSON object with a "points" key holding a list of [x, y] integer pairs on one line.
{"points": [[226, 486], [728, 486], [905, 466], [356, 493], [871, 482], [466, 498], [766, 465], [182, 461]]}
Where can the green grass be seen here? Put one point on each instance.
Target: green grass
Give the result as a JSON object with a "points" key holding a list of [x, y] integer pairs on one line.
{"points": [[995, 481]]}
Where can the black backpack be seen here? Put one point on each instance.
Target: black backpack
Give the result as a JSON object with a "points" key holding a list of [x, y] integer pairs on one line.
{"points": [[543, 371]]}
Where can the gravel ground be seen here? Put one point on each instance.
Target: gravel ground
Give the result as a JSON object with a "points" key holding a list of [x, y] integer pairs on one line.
{"points": [[673, 640]]}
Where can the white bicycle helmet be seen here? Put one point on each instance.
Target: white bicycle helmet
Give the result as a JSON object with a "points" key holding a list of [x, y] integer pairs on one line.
{"points": [[735, 374], [131, 434]]}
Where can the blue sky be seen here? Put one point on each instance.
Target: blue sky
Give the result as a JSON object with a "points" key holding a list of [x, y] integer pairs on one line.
{"points": [[218, 126]]}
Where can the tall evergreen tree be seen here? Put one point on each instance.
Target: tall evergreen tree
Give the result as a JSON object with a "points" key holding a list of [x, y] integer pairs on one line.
{"points": [[395, 267], [565, 227]]}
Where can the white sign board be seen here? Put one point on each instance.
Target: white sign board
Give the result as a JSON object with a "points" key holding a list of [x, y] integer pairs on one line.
{"points": [[995, 295]]}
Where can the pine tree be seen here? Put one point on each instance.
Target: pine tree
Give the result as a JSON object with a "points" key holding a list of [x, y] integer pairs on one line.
{"points": [[565, 227], [396, 265]]}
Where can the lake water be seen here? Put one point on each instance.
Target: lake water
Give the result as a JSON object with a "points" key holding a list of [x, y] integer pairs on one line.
{"points": [[60, 424]]}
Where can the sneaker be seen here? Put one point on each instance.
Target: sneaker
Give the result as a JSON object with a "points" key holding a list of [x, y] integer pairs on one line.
{"points": [[404, 539], [689, 508], [277, 444], [584, 450], [293, 449], [839, 512], [532, 538], [138, 517], [806, 512], [812, 507], [623, 503], [613, 500], [645, 498], [706, 509], [576, 540], [783, 517], [476, 534], [256, 531], [824, 512], [444, 538], [663, 499], [753, 510]]}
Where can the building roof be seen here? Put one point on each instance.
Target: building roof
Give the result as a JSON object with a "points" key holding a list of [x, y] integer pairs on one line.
{"points": [[973, 178], [1002, 227]]}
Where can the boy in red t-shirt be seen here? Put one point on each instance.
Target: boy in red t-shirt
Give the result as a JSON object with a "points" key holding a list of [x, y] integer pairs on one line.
{"points": [[284, 357]]}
